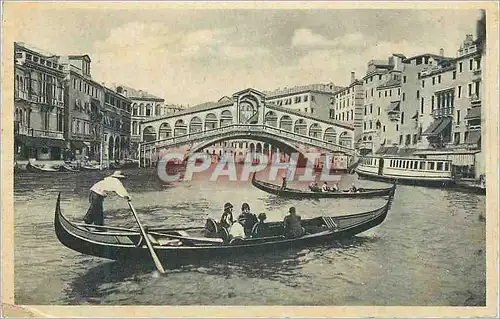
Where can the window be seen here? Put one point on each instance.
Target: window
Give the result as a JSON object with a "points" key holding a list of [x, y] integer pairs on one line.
{"points": [[400, 139], [414, 139], [439, 166], [430, 165], [379, 94], [380, 77], [402, 117], [80, 85], [418, 94], [422, 106], [385, 93], [372, 92], [305, 98], [454, 75], [364, 125], [458, 117], [477, 88], [365, 109], [460, 67], [478, 64], [74, 83], [378, 110], [312, 97], [432, 103], [439, 78], [297, 99], [423, 83], [383, 128], [404, 96], [470, 89], [397, 127], [456, 138], [404, 79], [371, 108], [371, 125], [471, 63], [446, 166], [459, 91], [399, 92], [312, 111], [433, 80], [418, 75], [390, 92]]}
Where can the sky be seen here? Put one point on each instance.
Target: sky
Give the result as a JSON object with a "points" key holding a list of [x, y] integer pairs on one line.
{"points": [[189, 56]]}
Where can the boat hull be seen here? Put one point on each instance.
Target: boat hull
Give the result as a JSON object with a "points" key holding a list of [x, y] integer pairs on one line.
{"points": [[294, 193], [126, 247], [407, 180], [35, 169]]}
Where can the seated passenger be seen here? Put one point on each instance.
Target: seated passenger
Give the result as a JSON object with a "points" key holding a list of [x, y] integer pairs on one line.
{"points": [[247, 219], [261, 229], [325, 187], [335, 187], [227, 217], [311, 186], [236, 231], [293, 227]]}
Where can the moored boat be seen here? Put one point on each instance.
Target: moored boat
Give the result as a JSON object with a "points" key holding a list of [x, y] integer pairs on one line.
{"points": [[406, 170], [297, 193], [68, 168], [181, 245], [88, 167], [34, 168]]}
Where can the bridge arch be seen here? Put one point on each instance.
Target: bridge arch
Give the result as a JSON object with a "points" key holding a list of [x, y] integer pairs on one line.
{"points": [[149, 134], [226, 118], [210, 121], [286, 123], [180, 128], [315, 130], [271, 119], [165, 130], [300, 127], [345, 139], [195, 125], [330, 135]]}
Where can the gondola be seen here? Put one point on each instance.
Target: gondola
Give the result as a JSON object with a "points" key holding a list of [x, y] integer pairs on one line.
{"points": [[39, 169], [67, 168], [182, 245], [90, 168], [307, 194]]}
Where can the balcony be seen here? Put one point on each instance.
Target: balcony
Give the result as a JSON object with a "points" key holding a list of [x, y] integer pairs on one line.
{"points": [[394, 116], [443, 112]]}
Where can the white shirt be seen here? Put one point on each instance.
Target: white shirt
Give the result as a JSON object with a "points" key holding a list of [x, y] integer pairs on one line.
{"points": [[237, 230], [109, 184]]}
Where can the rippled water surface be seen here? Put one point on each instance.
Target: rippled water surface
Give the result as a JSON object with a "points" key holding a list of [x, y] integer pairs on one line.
{"points": [[429, 251]]}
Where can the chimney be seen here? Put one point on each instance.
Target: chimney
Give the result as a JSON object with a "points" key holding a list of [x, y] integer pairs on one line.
{"points": [[353, 77], [441, 52]]}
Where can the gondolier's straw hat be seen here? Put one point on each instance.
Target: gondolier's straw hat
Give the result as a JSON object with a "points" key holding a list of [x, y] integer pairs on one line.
{"points": [[228, 205], [117, 174]]}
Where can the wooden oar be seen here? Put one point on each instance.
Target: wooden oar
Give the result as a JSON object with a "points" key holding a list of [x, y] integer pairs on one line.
{"points": [[146, 239]]}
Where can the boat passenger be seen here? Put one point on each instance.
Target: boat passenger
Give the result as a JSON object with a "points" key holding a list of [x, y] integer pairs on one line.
{"points": [[112, 183], [325, 187], [335, 187], [353, 189], [236, 230], [311, 186], [247, 219], [261, 229], [227, 217], [293, 228]]}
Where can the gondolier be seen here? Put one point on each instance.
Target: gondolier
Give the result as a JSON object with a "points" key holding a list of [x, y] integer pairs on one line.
{"points": [[112, 183]]}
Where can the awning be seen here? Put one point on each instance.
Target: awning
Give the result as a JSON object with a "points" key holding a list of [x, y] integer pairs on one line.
{"points": [[406, 152], [381, 150], [31, 141], [473, 137], [437, 126], [393, 107], [78, 144], [473, 113], [393, 150]]}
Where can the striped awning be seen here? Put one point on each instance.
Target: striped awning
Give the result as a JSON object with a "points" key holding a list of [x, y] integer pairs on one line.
{"points": [[473, 113], [473, 137], [437, 126]]}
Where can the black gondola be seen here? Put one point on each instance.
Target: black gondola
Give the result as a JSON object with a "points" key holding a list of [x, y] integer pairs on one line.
{"points": [[307, 194], [181, 245]]}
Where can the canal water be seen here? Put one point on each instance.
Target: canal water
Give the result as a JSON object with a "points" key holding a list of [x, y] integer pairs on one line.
{"points": [[429, 251]]}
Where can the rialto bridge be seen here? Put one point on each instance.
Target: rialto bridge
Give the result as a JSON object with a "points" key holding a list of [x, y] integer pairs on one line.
{"points": [[245, 116]]}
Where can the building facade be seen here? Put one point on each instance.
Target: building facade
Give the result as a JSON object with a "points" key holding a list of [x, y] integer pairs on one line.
{"points": [[38, 105], [349, 104], [116, 126], [144, 106], [317, 99], [83, 100]]}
